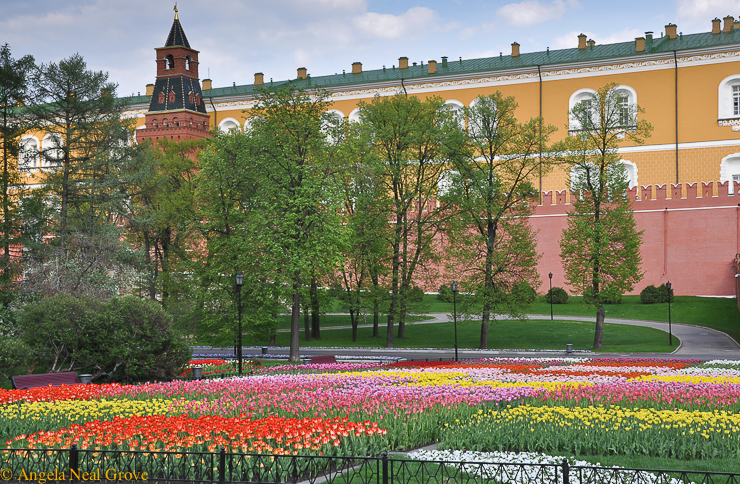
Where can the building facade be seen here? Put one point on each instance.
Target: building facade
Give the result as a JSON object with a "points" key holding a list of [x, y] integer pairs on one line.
{"points": [[684, 180]]}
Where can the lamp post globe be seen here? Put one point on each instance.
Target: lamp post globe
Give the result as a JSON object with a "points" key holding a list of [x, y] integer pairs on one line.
{"points": [[454, 314]]}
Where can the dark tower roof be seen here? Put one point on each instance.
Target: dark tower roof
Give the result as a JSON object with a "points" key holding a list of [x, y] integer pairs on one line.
{"points": [[177, 36]]}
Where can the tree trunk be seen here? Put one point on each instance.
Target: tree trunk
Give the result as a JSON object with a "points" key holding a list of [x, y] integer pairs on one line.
{"points": [[376, 320], [315, 308], [599, 334], [295, 326], [402, 313], [306, 323], [353, 319], [484, 327]]}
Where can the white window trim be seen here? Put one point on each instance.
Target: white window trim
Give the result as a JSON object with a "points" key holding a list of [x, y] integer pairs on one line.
{"points": [[460, 111], [354, 116], [725, 174], [575, 98], [632, 183], [724, 97], [45, 165], [237, 125], [37, 165]]}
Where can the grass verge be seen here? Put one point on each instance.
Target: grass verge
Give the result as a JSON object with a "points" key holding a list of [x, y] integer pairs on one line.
{"points": [[503, 335]]}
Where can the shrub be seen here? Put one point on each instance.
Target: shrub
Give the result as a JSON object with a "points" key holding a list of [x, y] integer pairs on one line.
{"points": [[608, 295], [649, 295], [415, 294], [522, 291], [556, 295], [445, 293], [15, 356], [664, 295]]}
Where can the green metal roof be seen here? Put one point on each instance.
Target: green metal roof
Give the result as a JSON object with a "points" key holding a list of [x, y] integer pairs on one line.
{"points": [[470, 66]]}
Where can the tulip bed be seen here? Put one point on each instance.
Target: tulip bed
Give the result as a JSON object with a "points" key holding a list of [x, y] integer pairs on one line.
{"points": [[678, 409]]}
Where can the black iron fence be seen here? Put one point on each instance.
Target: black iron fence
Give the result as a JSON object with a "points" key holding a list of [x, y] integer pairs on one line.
{"points": [[54, 465]]}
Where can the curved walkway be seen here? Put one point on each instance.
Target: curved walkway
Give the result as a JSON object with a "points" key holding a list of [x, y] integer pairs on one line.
{"points": [[695, 341]]}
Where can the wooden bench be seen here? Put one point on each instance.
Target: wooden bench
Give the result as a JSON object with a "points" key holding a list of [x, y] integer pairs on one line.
{"points": [[22, 382], [323, 359]]}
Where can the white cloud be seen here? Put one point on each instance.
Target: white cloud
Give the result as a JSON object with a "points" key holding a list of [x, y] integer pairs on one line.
{"points": [[696, 15], [414, 22], [570, 40], [531, 12]]}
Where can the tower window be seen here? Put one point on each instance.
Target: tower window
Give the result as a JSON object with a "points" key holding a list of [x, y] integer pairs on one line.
{"points": [[188, 59], [736, 100], [172, 96], [161, 97], [191, 96], [169, 62], [197, 99]]}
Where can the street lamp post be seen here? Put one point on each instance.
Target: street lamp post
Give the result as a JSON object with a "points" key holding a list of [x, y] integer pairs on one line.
{"points": [[670, 333], [239, 284], [454, 314], [550, 276]]}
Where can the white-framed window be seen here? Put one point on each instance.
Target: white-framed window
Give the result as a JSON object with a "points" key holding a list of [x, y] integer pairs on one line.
{"points": [[29, 154], [626, 101], [354, 116], [444, 182], [229, 124], [729, 171], [728, 98], [631, 170], [583, 97], [578, 174], [53, 154], [333, 125], [458, 111], [478, 127]]}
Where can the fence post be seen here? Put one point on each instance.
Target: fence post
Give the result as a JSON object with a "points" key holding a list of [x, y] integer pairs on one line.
{"points": [[74, 462], [566, 472], [384, 471], [222, 466]]}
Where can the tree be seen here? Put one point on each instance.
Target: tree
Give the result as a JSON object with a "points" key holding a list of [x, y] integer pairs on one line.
{"points": [[14, 91], [85, 146], [288, 193], [408, 138], [600, 247], [491, 244], [160, 211], [227, 208]]}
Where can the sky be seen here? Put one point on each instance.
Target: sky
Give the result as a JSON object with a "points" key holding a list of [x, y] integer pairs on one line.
{"points": [[239, 38]]}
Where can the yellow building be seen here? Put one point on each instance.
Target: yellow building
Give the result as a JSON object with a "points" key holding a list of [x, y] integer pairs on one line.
{"points": [[689, 86]]}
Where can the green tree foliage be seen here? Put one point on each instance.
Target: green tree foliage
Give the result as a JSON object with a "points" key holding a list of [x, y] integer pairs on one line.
{"points": [[85, 152], [228, 204], [556, 295], [126, 338], [600, 247], [14, 89], [283, 202], [405, 140], [492, 247], [160, 212]]}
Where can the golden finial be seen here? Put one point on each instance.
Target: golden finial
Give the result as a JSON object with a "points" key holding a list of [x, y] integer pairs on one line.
{"points": [[176, 17]]}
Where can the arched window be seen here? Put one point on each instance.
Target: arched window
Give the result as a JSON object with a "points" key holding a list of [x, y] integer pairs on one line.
{"points": [[482, 118], [584, 98], [169, 61], [333, 125], [191, 97], [53, 152], [172, 96], [728, 97], [229, 124], [444, 183], [188, 60], [28, 157], [631, 170], [175, 122], [729, 169], [458, 111], [161, 98], [625, 101], [197, 99], [354, 116], [165, 123]]}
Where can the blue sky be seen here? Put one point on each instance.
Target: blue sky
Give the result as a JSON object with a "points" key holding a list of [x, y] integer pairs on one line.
{"points": [[238, 38]]}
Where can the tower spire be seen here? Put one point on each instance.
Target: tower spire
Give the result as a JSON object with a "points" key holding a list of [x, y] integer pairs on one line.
{"points": [[176, 16]]}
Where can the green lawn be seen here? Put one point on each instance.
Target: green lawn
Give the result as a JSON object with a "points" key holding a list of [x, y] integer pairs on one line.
{"points": [[716, 313], [502, 335], [341, 320], [644, 462]]}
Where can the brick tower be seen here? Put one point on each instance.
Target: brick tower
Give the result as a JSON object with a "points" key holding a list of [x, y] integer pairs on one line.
{"points": [[177, 110]]}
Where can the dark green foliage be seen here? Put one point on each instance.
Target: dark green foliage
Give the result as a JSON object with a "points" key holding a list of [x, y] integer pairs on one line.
{"points": [[14, 356], [557, 295], [652, 294], [415, 294], [607, 295], [126, 338], [524, 293], [664, 295], [445, 293], [649, 295]]}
